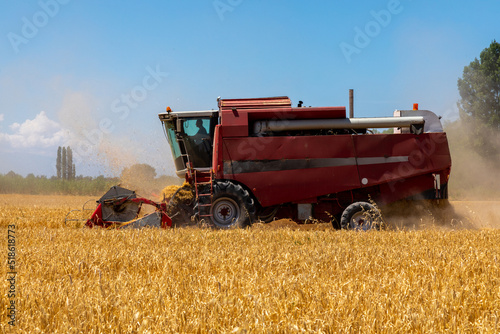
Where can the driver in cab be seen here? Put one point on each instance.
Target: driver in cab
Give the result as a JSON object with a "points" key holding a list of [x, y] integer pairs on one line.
{"points": [[202, 133]]}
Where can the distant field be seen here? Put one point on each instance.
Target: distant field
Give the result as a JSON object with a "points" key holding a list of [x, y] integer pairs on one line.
{"points": [[270, 278]]}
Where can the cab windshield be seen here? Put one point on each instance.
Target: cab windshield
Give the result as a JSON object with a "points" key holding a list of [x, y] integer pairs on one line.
{"points": [[174, 145]]}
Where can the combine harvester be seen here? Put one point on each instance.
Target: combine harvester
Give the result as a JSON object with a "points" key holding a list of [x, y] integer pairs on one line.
{"points": [[261, 159]]}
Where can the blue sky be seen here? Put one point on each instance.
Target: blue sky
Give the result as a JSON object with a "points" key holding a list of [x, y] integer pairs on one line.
{"points": [[95, 74]]}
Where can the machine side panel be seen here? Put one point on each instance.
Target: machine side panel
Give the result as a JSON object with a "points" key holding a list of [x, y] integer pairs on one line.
{"points": [[291, 169], [407, 159], [234, 123], [299, 169]]}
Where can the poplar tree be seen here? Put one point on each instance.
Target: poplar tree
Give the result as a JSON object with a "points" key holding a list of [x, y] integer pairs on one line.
{"points": [[69, 163], [59, 163], [64, 166]]}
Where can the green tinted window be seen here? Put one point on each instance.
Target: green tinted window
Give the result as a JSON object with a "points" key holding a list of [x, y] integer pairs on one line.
{"points": [[173, 142], [192, 127], [197, 137]]}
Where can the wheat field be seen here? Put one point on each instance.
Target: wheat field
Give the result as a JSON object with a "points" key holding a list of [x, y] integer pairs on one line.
{"points": [[74, 280]]}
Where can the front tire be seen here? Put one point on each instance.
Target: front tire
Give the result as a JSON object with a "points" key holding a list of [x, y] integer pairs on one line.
{"points": [[361, 216], [232, 206]]}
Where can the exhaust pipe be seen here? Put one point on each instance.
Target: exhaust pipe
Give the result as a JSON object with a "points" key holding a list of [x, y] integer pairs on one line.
{"points": [[351, 103]]}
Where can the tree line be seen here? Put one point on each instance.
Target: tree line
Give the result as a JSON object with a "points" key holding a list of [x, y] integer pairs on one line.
{"points": [[12, 183], [141, 178]]}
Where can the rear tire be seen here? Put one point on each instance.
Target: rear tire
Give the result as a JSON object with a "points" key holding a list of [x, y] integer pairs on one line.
{"points": [[361, 216], [232, 206]]}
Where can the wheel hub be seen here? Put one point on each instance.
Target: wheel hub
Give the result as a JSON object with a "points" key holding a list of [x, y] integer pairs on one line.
{"points": [[225, 212], [361, 221]]}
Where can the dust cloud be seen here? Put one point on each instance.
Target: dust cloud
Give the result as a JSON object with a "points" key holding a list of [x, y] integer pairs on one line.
{"points": [[143, 180], [98, 145], [474, 187], [79, 116], [474, 176], [474, 182]]}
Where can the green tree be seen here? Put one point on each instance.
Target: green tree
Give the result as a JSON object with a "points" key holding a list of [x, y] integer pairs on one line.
{"points": [[59, 162], [64, 166], [479, 105], [69, 163]]}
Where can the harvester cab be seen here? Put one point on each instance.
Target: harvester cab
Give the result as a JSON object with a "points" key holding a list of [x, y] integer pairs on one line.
{"points": [[190, 135]]}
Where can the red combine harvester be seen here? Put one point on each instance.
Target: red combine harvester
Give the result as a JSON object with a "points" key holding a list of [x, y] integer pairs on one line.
{"points": [[261, 159]]}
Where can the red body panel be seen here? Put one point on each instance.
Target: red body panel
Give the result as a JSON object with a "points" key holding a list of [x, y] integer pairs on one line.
{"points": [[301, 168], [425, 153], [276, 168]]}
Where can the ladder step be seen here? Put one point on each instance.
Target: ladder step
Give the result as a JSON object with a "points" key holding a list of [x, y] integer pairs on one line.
{"points": [[204, 179]]}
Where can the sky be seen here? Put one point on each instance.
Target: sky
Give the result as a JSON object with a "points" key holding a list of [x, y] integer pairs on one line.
{"points": [[93, 75]]}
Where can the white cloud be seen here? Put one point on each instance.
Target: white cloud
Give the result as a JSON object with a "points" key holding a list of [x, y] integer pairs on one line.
{"points": [[40, 132], [1, 117]]}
